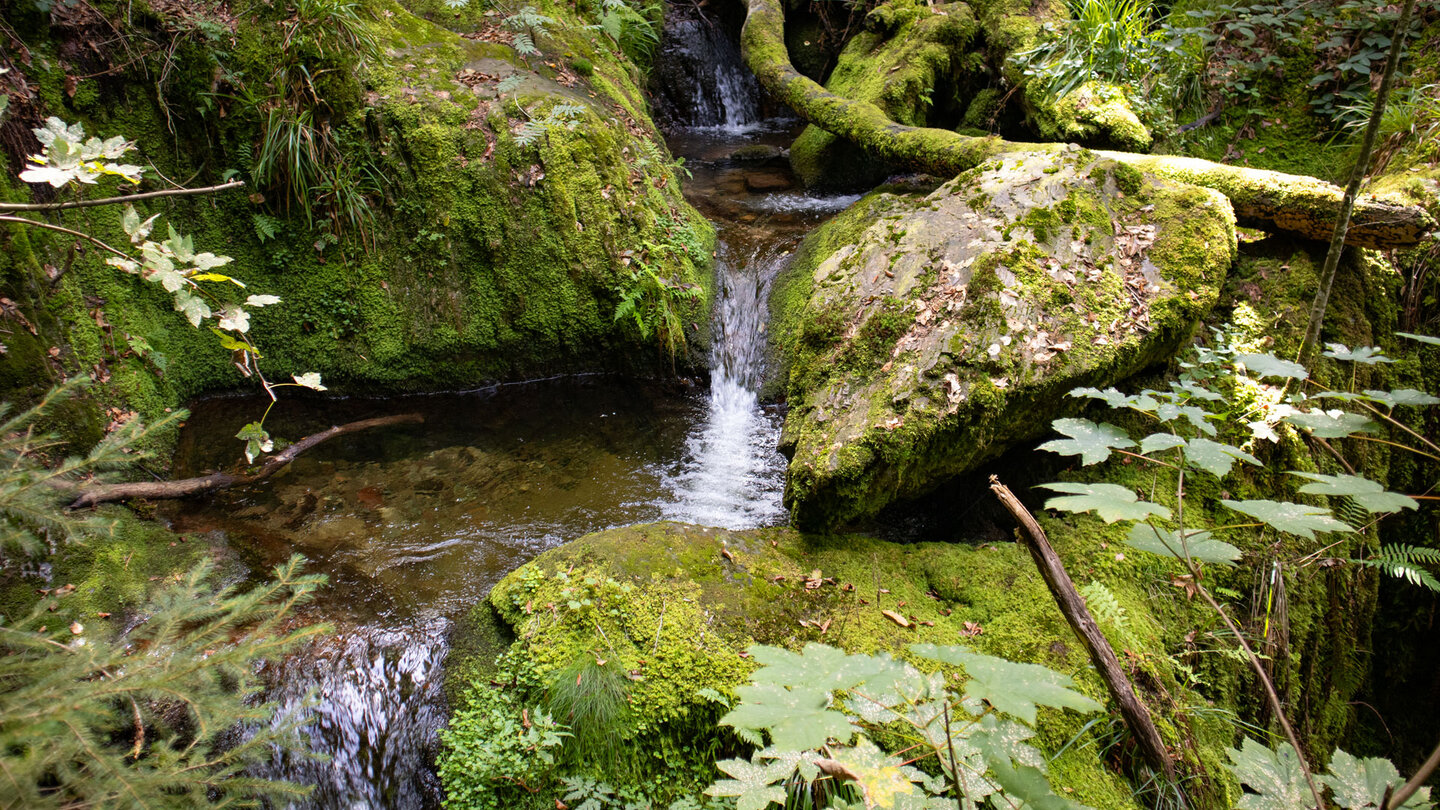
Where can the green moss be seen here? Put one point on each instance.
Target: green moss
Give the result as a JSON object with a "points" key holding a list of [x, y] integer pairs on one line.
{"points": [[1095, 113]]}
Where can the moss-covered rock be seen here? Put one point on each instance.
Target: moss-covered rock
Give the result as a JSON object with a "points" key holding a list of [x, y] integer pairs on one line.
{"points": [[1094, 114], [939, 330], [505, 226], [674, 608]]}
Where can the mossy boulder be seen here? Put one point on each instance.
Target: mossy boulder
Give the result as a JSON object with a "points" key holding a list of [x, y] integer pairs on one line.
{"points": [[924, 335], [1094, 114], [907, 56], [504, 224], [674, 608]]}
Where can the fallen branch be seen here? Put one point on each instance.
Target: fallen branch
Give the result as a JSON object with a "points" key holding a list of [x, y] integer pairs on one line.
{"points": [[116, 200], [1265, 199], [1137, 717], [157, 490]]}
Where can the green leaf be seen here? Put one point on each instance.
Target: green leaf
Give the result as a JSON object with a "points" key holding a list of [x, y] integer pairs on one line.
{"points": [[751, 783], [1090, 441], [1293, 518], [1403, 396], [1203, 547], [822, 666], [1433, 341], [1029, 785], [309, 380], [194, 307], [1359, 784], [1157, 442], [1268, 365], [1276, 778], [1012, 688], [1367, 355], [231, 344], [1368, 494], [1115, 399], [1331, 424], [882, 779], [798, 718], [1216, 458], [1111, 502]]}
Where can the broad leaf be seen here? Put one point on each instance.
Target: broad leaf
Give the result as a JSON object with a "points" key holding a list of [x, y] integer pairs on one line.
{"points": [[1088, 440], [1268, 365], [309, 380], [1198, 417], [798, 719], [882, 779], [194, 307], [1157, 442], [1275, 776], [1216, 458], [1433, 341], [1029, 786], [751, 784], [1368, 494], [1111, 502], [1293, 518], [261, 300], [1011, 688], [1202, 546], [1195, 390], [1367, 355], [1359, 784], [1403, 396], [822, 666], [1334, 424]]}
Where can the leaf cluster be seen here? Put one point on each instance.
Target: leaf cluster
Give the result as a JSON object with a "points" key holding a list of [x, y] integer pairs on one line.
{"points": [[1277, 782]]}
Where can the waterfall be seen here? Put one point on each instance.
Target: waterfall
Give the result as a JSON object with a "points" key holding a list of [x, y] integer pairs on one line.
{"points": [[732, 476], [699, 78]]}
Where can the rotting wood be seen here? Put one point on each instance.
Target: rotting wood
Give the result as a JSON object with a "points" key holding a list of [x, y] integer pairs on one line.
{"points": [[159, 490], [1304, 206], [1136, 716]]}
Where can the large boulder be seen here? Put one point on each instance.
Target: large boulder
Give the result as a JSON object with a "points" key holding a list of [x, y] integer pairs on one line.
{"points": [[922, 335]]}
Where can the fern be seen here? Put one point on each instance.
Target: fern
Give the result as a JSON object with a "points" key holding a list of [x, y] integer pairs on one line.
{"points": [[526, 24], [1406, 562], [266, 226], [1102, 602]]}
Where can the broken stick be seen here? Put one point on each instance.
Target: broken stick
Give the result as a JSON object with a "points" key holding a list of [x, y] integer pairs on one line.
{"points": [[1136, 716]]}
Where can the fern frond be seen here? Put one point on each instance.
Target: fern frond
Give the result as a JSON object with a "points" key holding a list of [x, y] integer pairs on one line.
{"points": [[1406, 562]]}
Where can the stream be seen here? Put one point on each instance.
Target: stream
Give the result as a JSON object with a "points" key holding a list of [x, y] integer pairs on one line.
{"points": [[414, 524]]}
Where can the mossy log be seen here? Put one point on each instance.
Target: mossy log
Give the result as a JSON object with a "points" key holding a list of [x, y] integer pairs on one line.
{"points": [[1264, 199]]}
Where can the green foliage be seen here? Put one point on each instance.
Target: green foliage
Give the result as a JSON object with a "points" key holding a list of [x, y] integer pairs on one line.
{"points": [[1109, 40], [147, 717], [589, 697], [1111, 502], [637, 35], [558, 116], [526, 25], [814, 703], [494, 750], [1406, 562], [652, 298], [1277, 782]]}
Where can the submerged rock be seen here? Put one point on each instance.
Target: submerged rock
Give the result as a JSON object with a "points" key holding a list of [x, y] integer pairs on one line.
{"points": [[924, 335]]}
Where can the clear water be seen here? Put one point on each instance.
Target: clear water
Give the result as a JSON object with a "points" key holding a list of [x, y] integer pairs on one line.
{"points": [[414, 524]]}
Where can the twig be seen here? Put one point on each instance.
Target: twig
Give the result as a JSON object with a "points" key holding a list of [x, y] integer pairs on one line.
{"points": [[106, 493], [149, 195], [1136, 716], [47, 226], [1408, 789]]}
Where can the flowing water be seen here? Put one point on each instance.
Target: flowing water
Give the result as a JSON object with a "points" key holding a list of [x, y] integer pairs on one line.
{"points": [[413, 524]]}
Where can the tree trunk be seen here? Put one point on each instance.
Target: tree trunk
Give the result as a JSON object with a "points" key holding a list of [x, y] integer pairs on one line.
{"points": [[1300, 205]]}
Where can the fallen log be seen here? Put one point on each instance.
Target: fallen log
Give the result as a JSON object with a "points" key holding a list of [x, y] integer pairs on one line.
{"points": [[1052, 570], [159, 490], [1304, 206]]}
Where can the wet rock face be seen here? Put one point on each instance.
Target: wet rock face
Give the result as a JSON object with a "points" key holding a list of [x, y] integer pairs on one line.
{"points": [[939, 330]]}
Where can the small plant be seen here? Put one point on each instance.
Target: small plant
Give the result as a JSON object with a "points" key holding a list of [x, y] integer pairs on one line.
{"points": [[1105, 40], [494, 750], [820, 709], [526, 25], [634, 33], [558, 116]]}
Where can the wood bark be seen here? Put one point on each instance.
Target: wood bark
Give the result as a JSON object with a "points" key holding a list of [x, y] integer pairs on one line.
{"points": [[158, 490], [1137, 717], [1304, 206]]}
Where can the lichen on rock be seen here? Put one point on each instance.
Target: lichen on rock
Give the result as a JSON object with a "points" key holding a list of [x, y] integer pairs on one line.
{"points": [[947, 328]]}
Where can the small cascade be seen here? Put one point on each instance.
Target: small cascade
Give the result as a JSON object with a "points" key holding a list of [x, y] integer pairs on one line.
{"points": [[376, 707], [699, 79], [731, 475]]}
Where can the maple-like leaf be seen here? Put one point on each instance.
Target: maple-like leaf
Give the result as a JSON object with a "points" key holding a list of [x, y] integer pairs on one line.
{"points": [[309, 380], [881, 779], [752, 784], [1111, 502], [1090, 441], [1216, 458], [1012, 688], [1402, 396], [1292, 518], [1158, 442], [1335, 424], [1433, 341], [1268, 365], [1368, 494], [1360, 784], [1274, 776], [1366, 355], [1166, 543]]}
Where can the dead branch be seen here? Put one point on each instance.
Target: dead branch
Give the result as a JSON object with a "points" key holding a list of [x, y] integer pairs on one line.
{"points": [[1137, 717], [158, 490]]}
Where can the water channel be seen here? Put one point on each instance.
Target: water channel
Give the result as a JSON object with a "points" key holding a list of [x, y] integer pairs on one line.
{"points": [[414, 524]]}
